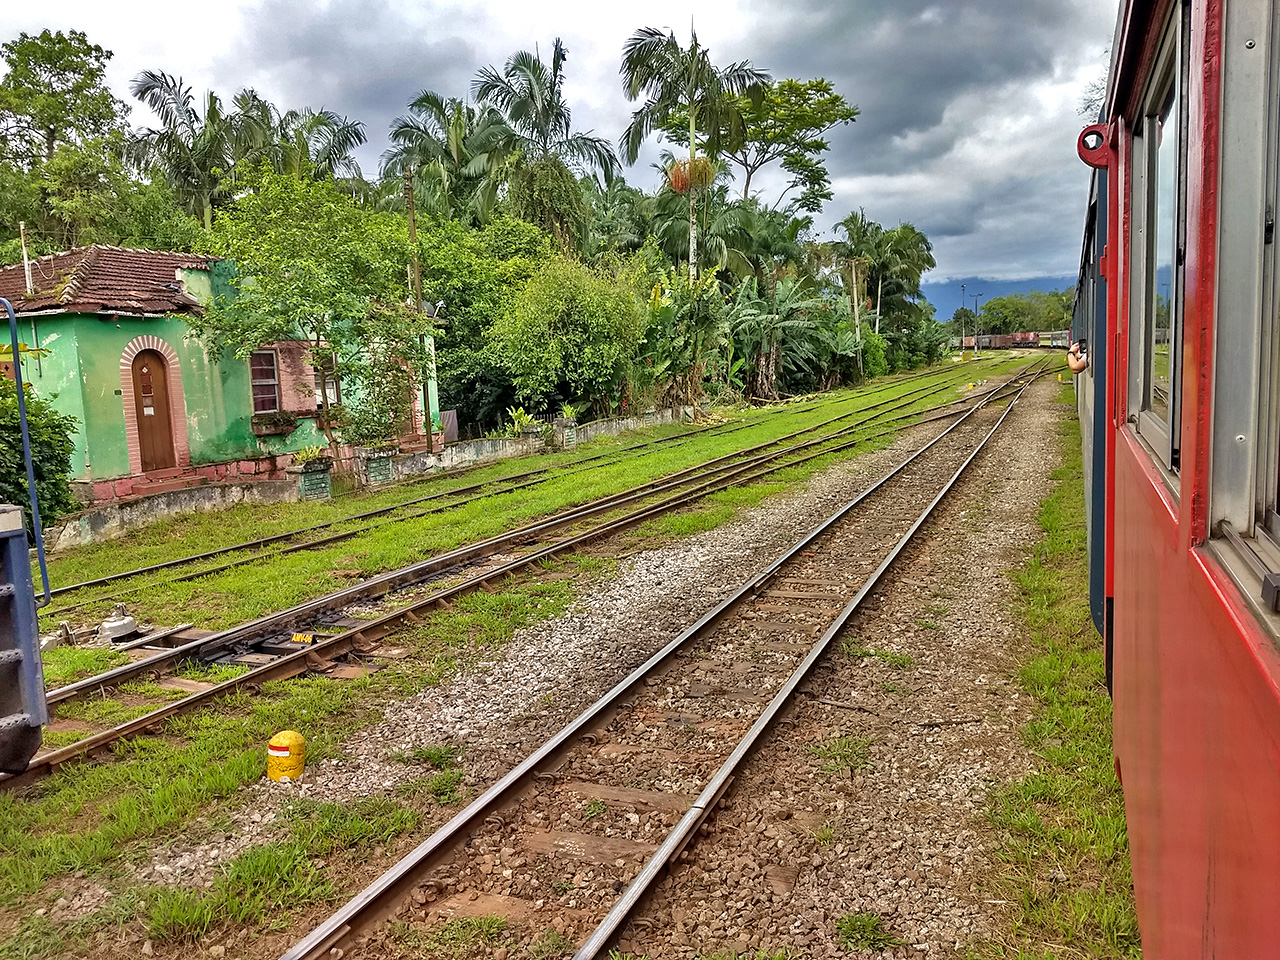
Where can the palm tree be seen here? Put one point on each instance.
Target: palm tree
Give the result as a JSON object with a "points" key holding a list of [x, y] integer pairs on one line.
{"points": [[194, 149], [675, 81], [456, 153], [530, 96], [722, 224], [861, 250], [318, 143], [762, 323]]}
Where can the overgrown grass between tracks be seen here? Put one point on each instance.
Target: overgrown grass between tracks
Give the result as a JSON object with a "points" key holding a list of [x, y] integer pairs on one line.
{"points": [[243, 593], [1064, 845]]}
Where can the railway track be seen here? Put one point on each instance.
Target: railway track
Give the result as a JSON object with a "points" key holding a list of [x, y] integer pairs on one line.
{"points": [[611, 801], [441, 501], [286, 620], [284, 655]]}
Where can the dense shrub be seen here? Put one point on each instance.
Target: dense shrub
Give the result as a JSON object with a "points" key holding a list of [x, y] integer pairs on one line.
{"points": [[569, 326], [51, 449]]}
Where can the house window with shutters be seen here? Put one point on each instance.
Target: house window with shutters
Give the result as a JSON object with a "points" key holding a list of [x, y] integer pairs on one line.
{"points": [[265, 380]]}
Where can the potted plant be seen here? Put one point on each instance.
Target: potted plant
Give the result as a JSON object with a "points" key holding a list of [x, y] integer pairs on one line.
{"points": [[312, 466], [278, 424]]}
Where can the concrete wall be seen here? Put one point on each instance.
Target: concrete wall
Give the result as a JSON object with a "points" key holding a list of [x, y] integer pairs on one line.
{"points": [[468, 453], [112, 520]]}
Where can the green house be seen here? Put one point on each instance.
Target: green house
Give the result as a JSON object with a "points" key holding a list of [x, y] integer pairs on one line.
{"points": [[157, 412]]}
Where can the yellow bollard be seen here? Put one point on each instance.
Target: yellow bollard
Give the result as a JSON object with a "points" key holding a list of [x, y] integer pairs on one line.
{"points": [[286, 756]]}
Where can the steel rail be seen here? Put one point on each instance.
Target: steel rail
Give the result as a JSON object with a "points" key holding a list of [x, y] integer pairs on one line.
{"points": [[683, 832], [383, 583], [378, 900], [723, 429], [360, 639]]}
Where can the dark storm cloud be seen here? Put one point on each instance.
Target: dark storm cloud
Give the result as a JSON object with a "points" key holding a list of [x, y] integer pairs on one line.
{"points": [[905, 62], [360, 58], [951, 134]]}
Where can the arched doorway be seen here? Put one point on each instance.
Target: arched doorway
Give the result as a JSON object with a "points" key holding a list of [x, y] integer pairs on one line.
{"points": [[151, 406]]}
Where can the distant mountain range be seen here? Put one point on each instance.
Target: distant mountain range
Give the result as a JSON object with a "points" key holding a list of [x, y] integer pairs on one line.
{"points": [[945, 296]]}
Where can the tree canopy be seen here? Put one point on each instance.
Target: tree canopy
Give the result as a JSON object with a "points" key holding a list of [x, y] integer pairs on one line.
{"points": [[54, 93]]}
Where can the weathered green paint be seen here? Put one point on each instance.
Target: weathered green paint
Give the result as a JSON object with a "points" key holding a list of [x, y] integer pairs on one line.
{"points": [[83, 371]]}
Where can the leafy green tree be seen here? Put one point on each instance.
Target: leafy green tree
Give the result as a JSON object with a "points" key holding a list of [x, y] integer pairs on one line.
{"points": [[476, 273], [686, 341], [1022, 312], [302, 143], [571, 329], [54, 92], [788, 124], [312, 265], [618, 217], [51, 449], [675, 79], [720, 222]]}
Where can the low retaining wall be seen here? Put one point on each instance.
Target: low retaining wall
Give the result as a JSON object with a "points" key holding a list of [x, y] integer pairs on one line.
{"points": [[111, 520], [471, 452]]}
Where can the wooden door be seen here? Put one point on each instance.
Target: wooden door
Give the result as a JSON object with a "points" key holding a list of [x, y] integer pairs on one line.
{"points": [[151, 400]]}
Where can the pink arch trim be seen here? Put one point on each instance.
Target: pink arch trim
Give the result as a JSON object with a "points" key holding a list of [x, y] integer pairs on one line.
{"points": [[177, 401]]}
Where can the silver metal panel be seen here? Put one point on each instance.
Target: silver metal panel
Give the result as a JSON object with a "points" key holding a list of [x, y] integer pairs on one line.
{"points": [[1247, 54]]}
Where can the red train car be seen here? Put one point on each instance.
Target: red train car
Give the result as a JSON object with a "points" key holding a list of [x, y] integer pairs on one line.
{"points": [[1179, 292]]}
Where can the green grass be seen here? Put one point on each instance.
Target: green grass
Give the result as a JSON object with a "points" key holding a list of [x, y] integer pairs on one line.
{"points": [[593, 809], [264, 883], [1066, 819], [843, 753], [899, 661], [84, 816], [551, 944], [864, 931], [63, 665], [441, 757], [459, 936]]}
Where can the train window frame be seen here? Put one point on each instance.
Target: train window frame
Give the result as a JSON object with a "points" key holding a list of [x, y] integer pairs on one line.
{"points": [[1266, 336], [1244, 462], [1165, 97]]}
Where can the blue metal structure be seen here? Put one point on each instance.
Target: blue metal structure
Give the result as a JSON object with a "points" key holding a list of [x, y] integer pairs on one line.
{"points": [[23, 712], [1089, 323]]}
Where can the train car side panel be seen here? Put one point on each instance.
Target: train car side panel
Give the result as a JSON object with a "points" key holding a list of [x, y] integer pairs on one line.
{"points": [[1196, 725]]}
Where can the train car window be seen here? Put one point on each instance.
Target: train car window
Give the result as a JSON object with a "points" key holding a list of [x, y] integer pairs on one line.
{"points": [[1156, 329], [1245, 408]]}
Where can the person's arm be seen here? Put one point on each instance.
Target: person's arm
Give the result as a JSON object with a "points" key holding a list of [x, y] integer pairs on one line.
{"points": [[1077, 359]]}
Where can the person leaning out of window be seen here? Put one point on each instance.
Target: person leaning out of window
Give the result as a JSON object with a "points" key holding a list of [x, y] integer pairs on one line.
{"points": [[1077, 357]]}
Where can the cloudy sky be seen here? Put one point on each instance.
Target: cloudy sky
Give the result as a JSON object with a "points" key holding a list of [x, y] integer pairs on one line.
{"points": [[969, 107]]}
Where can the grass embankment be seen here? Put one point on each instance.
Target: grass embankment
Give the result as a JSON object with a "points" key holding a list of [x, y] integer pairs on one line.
{"points": [[91, 823], [243, 593], [1063, 830]]}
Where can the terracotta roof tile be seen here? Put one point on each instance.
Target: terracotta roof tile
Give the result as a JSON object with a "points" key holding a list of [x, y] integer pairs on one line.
{"points": [[101, 279]]}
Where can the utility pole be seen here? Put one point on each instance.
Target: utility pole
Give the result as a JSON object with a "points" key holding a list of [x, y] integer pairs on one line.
{"points": [[962, 303], [430, 394], [976, 297]]}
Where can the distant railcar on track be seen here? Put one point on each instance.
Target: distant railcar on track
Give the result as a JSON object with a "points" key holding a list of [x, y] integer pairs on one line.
{"points": [[1178, 306]]}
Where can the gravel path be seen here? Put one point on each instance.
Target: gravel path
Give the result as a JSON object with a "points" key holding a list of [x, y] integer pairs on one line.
{"points": [[903, 838]]}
